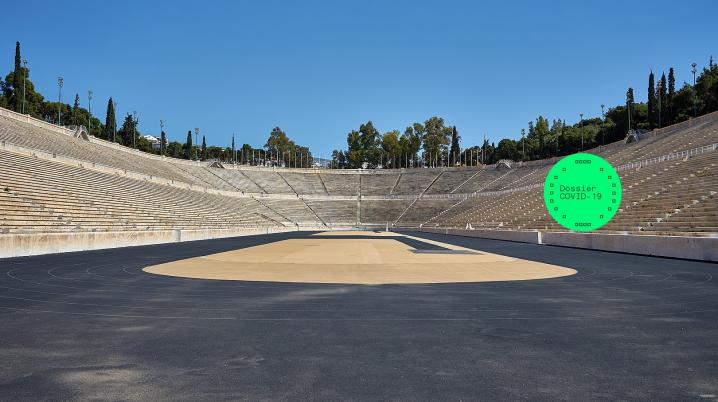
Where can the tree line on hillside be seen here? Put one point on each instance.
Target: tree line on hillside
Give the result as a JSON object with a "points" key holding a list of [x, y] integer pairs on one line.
{"points": [[18, 94], [431, 143]]}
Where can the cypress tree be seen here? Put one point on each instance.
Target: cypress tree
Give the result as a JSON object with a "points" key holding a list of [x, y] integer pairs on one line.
{"points": [[651, 102], [204, 148], [110, 122], [663, 96], [188, 153], [163, 142], [671, 94], [17, 79], [629, 107], [455, 148]]}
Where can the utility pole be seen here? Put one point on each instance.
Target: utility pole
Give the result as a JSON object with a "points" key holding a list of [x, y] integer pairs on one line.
{"points": [[24, 79], [196, 133], [603, 125], [89, 112], [60, 83]]}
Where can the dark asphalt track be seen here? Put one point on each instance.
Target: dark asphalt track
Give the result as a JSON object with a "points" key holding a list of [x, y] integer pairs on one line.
{"points": [[92, 326]]}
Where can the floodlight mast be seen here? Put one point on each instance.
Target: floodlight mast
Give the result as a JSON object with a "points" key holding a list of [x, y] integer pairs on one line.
{"points": [[60, 83], [24, 79], [603, 125], [196, 133]]}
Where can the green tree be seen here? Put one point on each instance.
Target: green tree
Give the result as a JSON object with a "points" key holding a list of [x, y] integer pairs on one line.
{"points": [[707, 90], [3, 102], [629, 107], [455, 150], [110, 121], [278, 145], [507, 149], [204, 148], [413, 136], [163, 143], [128, 131], [18, 76], [355, 153], [370, 141], [436, 140], [663, 100], [671, 94], [392, 152], [188, 146], [651, 102], [75, 108]]}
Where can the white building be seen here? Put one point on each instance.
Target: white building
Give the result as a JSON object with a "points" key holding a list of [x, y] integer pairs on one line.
{"points": [[153, 140]]}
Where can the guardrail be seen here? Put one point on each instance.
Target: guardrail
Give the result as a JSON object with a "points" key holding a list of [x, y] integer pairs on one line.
{"points": [[669, 157]]}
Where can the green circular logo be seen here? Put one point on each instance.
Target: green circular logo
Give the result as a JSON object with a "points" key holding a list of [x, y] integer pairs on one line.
{"points": [[582, 192]]}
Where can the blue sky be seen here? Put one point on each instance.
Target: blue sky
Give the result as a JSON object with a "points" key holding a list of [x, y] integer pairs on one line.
{"points": [[319, 69]]}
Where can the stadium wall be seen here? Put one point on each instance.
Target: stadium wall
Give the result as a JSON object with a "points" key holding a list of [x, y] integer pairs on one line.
{"points": [[694, 248], [20, 245]]}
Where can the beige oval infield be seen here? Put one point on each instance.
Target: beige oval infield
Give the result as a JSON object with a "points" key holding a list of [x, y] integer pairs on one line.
{"points": [[370, 261]]}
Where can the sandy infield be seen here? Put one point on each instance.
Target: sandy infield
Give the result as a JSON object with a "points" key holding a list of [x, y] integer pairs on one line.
{"points": [[370, 261]]}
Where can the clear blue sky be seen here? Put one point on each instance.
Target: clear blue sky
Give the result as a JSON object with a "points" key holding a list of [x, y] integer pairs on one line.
{"points": [[319, 69]]}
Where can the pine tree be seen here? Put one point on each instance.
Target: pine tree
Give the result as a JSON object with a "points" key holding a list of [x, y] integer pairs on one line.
{"points": [[204, 148], [17, 80], [651, 102], [671, 94], [455, 147], [75, 108], [663, 97], [128, 130], [110, 122], [188, 153]]}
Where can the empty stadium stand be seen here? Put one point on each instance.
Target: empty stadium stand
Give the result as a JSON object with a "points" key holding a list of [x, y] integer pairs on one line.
{"points": [[52, 181]]}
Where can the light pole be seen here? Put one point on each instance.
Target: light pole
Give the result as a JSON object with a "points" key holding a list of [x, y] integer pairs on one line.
{"points": [[89, 112], [603, 126], [60, 83], [196, 133], [693, 70], [523, 145], [24, 79], [581, 114]]}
